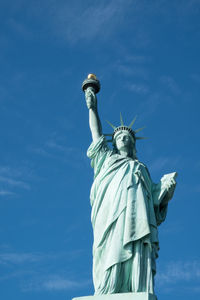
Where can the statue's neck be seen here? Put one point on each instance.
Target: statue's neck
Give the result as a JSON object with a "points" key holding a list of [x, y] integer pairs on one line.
{"points": [[124, 153]]}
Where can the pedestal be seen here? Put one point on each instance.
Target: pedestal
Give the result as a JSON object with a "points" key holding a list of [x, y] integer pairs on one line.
{"points": [[122, 296]]}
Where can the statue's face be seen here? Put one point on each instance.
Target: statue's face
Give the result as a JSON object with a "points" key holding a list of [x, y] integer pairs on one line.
{"points": [[123, 141]]}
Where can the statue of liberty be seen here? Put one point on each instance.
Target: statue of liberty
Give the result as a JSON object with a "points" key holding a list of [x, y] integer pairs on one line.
{"points": [[127, 207]]}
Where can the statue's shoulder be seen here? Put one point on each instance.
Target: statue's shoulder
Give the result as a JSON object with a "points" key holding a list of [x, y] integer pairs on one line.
{"points": [[144, 168], [141, 164]]}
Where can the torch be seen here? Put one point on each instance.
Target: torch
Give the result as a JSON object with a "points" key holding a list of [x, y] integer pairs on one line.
{"points": [[91, 82]]}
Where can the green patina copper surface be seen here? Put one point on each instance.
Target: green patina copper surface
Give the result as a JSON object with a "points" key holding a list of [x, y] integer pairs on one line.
{"points": [[127, 208]]}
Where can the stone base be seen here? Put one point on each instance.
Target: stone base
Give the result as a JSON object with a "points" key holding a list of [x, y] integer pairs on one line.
{"points": [[122, 296]]}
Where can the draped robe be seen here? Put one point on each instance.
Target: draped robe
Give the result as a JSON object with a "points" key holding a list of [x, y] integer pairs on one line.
{"points": [[126, 210]]}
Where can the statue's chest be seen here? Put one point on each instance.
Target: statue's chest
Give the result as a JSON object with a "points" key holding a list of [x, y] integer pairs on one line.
{"points": [[125, 169]]}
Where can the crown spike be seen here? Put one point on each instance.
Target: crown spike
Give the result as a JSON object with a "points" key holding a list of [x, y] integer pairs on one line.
{"points": [[114, 127], [139, 129], [121, 120], [131, 124]]}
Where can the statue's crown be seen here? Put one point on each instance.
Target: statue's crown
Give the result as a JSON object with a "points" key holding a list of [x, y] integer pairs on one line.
{"points": [[123, 127]]}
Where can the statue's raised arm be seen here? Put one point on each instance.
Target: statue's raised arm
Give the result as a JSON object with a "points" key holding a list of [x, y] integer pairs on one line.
{"points": [[91, 86]]}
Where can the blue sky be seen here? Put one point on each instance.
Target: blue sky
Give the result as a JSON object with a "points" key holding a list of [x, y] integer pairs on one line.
{"points": [[146, 55]]}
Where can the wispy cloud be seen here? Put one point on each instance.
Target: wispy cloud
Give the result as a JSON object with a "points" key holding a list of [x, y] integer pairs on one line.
{"points": [[6, 193], [55, 145], [60, 284], [11, 179], [139, 88], [41, 151], [24, 258], [171, 84], [159, 163], [179, 271], [70, 21], [66, 149], [87, 21], [8, 171], [37, 271], [83, 21], [132, 70], [57, 149], [53, 283], [19, 258], [14, 183]]}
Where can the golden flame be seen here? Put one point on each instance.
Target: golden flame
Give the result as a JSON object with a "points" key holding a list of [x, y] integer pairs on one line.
{"points": [[92, 76]]}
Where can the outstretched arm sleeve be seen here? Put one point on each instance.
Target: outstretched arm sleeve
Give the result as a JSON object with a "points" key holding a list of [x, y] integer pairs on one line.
{"points": [[97, 152]]}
